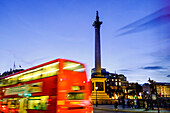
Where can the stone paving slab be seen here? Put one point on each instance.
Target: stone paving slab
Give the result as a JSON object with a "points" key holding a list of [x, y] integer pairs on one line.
{"points": [[120, 109]]}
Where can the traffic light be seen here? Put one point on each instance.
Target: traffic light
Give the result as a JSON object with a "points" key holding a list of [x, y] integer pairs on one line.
{"points": [[135, 97]]}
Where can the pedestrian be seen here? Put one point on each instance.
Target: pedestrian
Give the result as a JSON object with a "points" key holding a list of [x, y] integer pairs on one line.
{"points": [[116, 104], [131, 103], [165, 103], [135, 103], [128, 103], [146, 106], [123, 103]]}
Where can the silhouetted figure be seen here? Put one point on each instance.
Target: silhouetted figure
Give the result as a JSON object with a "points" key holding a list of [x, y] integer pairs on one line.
{"points": [[135, 103], [146, 106], [128, 103], [131, 103], [165, 103], [116, 104], [123, 103]]}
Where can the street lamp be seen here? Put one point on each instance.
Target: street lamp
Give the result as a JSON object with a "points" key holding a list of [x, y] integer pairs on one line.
{"points": [[96, 95], [154, 90]]}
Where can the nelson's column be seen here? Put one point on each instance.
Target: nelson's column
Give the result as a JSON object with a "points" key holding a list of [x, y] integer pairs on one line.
{"points": [[98, 80]]}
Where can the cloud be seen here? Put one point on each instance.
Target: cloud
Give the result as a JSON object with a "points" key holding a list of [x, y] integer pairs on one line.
{"points": [[156, 19], [125, 70], [168, 76], [153, 67]]}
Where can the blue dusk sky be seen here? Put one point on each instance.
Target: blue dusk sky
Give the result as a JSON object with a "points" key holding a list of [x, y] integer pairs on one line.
{"points": [[135, 37]]}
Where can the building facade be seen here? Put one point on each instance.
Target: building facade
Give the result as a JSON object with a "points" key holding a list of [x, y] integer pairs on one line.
{"points": [[163, 89]]}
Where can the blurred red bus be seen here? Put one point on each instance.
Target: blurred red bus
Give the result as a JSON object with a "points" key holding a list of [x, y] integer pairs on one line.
{"points": [[58, 86]]}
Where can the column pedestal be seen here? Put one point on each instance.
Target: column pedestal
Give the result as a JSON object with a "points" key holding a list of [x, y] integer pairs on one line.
{"points": [[102, 97]]}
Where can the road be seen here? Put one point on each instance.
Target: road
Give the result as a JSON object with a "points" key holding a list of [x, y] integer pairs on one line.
{"points": [[101, 111]]}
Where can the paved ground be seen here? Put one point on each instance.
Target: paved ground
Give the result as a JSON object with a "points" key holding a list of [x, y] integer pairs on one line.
{"points": [[101, 111], [110, 108]]}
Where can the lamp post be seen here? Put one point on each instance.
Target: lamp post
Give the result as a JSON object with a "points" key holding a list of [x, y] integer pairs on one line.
{"points": [[156, 96], [96, 95], [154, 89]]}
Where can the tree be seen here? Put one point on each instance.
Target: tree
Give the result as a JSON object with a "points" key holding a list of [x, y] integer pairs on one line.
{"points": [[10, 72]]}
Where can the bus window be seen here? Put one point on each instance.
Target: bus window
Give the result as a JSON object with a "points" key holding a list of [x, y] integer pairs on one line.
{"points": [[25, 77], [73, 66], [9, 81], [1, 83], [75, 96], [13, 103], [50, 70], [4, 101], [14, 80], [37, 74], [5, 82], [38, 103]]}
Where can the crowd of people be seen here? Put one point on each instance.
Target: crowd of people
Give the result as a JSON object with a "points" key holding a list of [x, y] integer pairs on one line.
{"points": [[132, 103]]}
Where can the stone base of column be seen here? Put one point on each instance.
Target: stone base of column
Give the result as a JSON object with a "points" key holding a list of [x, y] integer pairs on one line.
{"points": [[102, 97]]}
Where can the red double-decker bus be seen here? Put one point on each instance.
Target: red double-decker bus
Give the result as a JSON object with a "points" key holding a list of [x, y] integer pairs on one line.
{"points": [[58, 86]]}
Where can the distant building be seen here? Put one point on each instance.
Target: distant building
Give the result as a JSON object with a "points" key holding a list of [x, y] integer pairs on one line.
{"points": [[135, 91], [163, 89], [115, 84], [146, 88]]}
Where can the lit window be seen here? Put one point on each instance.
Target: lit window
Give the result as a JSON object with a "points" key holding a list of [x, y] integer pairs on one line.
{"points": [[73, 66], [36, 74], [75, 88], [50, 70], [116, 83], [75, 96], [112, 79], [38, 103], [119, 83], [115, 79]]}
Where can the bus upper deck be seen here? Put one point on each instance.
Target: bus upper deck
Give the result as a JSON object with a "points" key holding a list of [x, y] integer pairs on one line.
{"points": [[57, 86]]}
